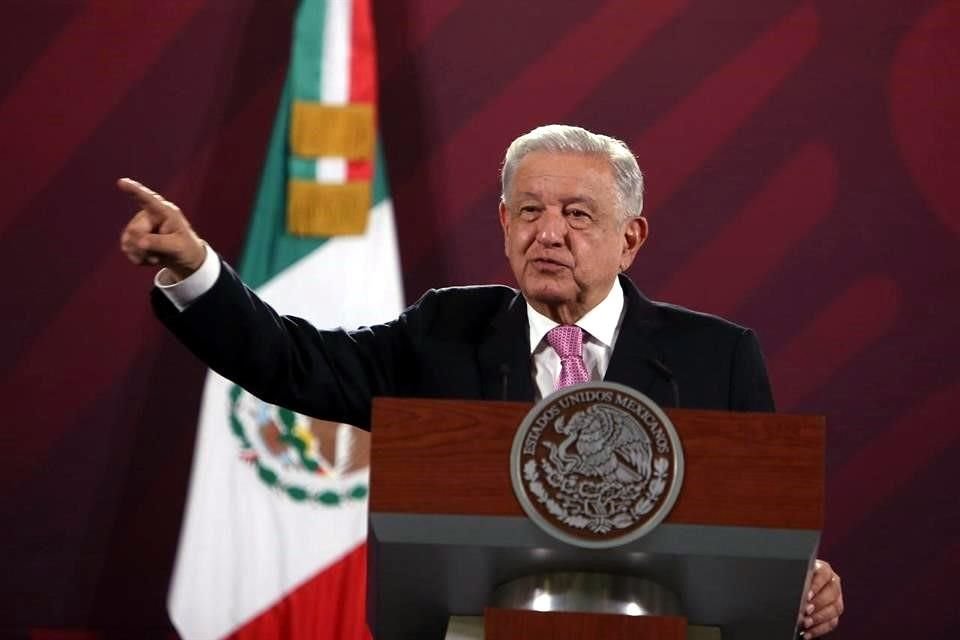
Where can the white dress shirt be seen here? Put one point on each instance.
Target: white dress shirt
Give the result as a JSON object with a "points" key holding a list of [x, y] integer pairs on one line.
{"points": [[601, 326], [182, 293]]}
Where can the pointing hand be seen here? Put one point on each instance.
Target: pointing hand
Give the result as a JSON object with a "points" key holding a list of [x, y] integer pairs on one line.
{"points": [[159, 234]]}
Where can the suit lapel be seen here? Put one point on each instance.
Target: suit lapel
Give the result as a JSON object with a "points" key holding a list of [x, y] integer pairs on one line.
{"points": [[636, 348], [504, 352], [504, 355]]}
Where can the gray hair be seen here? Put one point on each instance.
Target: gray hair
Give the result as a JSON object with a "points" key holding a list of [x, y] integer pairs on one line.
{"points": [[561, 138]]}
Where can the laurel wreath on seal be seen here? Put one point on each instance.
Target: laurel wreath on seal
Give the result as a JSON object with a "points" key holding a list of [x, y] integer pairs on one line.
{"points": [[617, 501], [654, 488], [287, 422]]}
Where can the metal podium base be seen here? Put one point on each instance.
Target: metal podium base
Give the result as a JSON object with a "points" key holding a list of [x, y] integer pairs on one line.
{"points": [[587, 593], [471, 628], [581, 592]]}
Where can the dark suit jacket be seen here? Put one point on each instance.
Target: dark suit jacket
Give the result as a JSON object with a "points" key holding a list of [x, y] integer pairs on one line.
{"points": [[464, 342]]}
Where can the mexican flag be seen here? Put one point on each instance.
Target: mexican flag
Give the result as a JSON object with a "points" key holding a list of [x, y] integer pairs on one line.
{"points": [[273, 541]]}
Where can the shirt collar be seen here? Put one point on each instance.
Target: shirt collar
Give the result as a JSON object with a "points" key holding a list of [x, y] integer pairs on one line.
{"points": [[600, 322]]}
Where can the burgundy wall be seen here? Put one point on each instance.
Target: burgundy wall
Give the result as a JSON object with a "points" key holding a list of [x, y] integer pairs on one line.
{"points": [[801, 162]]}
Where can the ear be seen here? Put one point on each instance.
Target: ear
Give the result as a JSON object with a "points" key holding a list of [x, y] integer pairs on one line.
{"points": [[505, 225], [635, 232]]}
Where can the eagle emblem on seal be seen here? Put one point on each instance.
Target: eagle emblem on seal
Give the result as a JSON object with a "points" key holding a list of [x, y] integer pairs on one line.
{"points": [[608, 444], [596, 465]]}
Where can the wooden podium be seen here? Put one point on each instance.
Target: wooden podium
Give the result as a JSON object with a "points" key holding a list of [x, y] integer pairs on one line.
{"points": [[446, 528]]}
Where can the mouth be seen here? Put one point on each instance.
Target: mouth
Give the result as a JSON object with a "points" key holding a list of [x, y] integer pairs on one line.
{"points": [[548, 264]]}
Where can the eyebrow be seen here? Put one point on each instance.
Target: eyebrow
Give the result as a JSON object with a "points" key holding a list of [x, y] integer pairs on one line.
{"points": [[584, 199], [529, 194], [580, 199]]}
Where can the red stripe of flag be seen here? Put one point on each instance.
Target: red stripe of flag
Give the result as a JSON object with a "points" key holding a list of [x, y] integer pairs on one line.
{"points": [[363, 74], [329, 606]]}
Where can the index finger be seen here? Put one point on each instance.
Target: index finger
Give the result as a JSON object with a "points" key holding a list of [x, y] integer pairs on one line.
{"points": [[150, 200]]}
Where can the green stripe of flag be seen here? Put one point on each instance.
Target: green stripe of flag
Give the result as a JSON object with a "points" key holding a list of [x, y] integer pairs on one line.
{"points": [[307, 52], [306, 69]]}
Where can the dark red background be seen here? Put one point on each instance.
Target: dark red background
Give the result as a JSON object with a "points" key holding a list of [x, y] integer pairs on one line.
{"points": [[802, 167]]}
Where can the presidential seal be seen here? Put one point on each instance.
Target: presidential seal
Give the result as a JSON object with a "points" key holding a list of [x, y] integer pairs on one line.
{"points": [[596, 465]]}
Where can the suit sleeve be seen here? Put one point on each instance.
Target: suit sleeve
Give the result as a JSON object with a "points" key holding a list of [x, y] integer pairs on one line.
{"points": [[332, 375], [749, 383]]}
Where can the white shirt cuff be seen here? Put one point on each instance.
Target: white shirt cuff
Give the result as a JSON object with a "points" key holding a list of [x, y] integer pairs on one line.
{"points": [[183, 293]]}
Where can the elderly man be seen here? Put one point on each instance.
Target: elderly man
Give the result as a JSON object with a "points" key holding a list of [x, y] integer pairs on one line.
{"points": [[571, 217]]}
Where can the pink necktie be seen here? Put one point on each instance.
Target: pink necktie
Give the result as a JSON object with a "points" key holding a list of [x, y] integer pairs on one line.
{"points": [[567, 341]]}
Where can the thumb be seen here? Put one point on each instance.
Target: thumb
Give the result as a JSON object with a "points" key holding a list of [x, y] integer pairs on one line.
{"points": [[166, 245], [183, 252], [822, 573], [172, 222]]}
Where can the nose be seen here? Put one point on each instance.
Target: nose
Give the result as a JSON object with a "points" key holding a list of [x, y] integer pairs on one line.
{"points": [[552, 227]]}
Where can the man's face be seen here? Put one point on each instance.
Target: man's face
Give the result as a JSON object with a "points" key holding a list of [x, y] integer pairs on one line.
{"points": [[564, 232]]}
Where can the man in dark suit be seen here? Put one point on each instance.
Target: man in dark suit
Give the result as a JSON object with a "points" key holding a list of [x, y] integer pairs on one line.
{"points": [[571, 217]]}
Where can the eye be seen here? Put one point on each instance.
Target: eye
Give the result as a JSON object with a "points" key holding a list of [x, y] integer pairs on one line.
{"points": [[578, 218], [529, 211]]}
